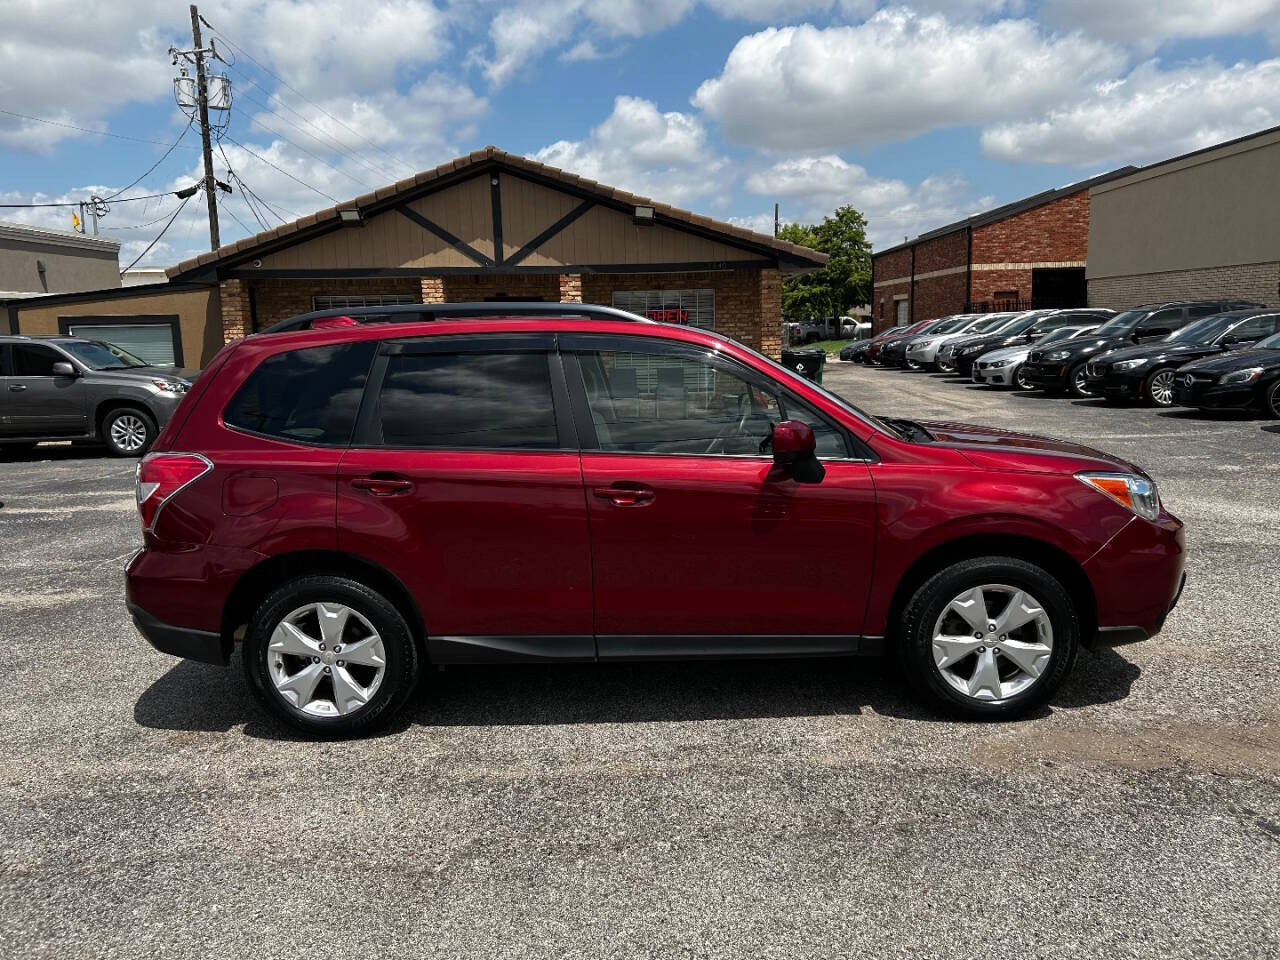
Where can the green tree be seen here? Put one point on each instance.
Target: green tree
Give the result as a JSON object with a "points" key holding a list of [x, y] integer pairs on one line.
{"points": [[844, 282]]}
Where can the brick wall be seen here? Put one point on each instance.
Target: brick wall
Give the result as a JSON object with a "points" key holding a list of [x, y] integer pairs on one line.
{"points": [[890, 266], [1057, 231], [461, 288], [748, 302], [1259, 282], [276, 300], [940, 296], [233, 297], [986, 283], [884, 312], [433, 290], [942, 253]]}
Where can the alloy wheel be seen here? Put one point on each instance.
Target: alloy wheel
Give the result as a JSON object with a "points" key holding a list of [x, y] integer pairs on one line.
{"points": [[1080, 382], [1020, 378], [992, 642], [326, 660], [128, 432], [1160, 388]]}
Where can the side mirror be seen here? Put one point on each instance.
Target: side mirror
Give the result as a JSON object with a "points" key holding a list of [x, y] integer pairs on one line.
{"points": [[64, 369], [795, 452]]}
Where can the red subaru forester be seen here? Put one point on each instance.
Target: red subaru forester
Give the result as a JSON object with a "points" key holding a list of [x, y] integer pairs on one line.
{"points": [[480, 484]]}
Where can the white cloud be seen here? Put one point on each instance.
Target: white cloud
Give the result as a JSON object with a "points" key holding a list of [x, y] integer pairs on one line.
{"points": [[895, 76], [1149, 115], [811, 187], [1145, 24], [640, 149]]}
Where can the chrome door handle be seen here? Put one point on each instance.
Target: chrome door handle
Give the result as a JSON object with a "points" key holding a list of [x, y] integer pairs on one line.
{"points": [[17, 387]]}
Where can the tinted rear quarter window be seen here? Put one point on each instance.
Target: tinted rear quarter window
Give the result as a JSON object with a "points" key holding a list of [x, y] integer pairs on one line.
{"points": [[307, 396], [481, 401]]}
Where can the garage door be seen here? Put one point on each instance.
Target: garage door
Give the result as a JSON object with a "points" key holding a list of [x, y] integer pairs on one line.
{"points": [[152, 342]]}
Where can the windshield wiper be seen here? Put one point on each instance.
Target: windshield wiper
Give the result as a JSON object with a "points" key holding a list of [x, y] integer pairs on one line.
{"points": [[908, 429]]}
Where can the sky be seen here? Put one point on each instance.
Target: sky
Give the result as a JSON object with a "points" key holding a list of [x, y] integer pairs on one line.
{"points": [[915, 114]]}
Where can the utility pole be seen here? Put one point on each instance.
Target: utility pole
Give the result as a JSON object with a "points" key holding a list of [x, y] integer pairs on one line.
{"points": [[777, 225], [202, 101]]}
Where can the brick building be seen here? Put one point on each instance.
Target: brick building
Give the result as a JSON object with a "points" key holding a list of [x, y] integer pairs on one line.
{"points": [[1032, 252], [1199, 226], [488, 226]]}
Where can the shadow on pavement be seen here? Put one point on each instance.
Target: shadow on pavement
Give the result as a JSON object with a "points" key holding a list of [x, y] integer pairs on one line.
{"points": [[1222, 416], [57, 451], [194, 696]]}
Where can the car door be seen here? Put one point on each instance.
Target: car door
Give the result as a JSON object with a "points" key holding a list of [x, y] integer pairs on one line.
{"points": [[37, 402], [464, 480], [699, 546]]}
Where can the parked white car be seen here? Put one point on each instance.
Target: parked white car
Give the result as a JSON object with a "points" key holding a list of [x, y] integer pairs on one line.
{"points": [[855, 328], [986, 323], [1003, 368], [922, 352]]}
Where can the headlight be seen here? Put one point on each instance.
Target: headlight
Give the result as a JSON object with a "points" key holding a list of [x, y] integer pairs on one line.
{"points": [[1129, 364], [968, 350], [923, 345], [1132, 492], [1057, 355], [998, 363], [170, 386], [1247, 375]]}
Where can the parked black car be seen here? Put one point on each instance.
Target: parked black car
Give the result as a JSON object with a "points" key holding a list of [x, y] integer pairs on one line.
{"points": [[1028, 328], [1063, 367], [894, 351], [1147, 372], [1235, 380], [69, 388], [855, 352]]}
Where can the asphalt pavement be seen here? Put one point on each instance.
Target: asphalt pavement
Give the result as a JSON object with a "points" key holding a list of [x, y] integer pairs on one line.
{"points": [[779, 809]]}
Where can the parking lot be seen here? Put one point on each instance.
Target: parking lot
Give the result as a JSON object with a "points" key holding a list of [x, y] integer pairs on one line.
{"points": [[775, 809]]}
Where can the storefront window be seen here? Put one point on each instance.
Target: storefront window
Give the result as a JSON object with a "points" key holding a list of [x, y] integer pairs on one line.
{"points": [[694, 308]]}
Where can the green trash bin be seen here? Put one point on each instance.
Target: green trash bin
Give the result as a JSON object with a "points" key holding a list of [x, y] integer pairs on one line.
{"points": [[806, 361]]}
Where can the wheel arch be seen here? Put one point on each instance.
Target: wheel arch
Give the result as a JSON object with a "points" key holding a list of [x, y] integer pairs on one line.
{"points": [[258, 581], [1052, 558], [111, 404]]}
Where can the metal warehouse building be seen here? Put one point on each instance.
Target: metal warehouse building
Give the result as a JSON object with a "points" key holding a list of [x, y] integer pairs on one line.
{"points": [[1202, 225], [489, 226], [1031, 252]]}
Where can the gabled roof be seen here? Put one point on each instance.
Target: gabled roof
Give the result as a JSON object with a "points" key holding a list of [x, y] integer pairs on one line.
{"points": [[471, 165], [1011, 209]]}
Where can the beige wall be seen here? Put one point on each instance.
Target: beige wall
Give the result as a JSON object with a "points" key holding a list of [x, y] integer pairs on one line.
{"points": [[68, 269], [198, 313], [1217, 209]]}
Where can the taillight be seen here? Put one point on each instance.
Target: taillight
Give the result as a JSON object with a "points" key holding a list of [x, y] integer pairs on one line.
{"points": [[161, 475]]}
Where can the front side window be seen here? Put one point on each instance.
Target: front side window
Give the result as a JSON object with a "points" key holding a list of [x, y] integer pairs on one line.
{"points": [[689, 405], [483, 401], [1254, 328], [308, 396], [30, 360], [98, 355]]}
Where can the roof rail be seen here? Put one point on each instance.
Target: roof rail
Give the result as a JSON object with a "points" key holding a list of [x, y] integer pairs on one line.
{"points": [[421, 312]]}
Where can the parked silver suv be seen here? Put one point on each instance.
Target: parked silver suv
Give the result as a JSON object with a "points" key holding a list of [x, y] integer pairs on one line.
{"points": [[69, 388]]}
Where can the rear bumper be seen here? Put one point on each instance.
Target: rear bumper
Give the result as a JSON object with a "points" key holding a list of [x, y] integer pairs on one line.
{"points": [[202, 645]]}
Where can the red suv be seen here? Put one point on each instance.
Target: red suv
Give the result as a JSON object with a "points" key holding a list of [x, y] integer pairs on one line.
{"points": [[355, 500]]}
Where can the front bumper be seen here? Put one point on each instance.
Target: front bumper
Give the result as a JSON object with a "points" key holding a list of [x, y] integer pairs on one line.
{"points": [[1120, 384], [202, 645], [1208, 394], [1046, 376], [995, 376], [965, 364], [1137, 578]]}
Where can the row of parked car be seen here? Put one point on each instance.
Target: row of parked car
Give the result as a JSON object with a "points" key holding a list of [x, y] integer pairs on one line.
{"points": [[1211, 354]]}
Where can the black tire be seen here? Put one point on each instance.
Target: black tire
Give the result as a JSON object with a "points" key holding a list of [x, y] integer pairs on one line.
{"points": [[1020, 380], [402, 660], [1151, 392], [1271, 401], [913, 364], [915, 639], [1076, 382], [128, 431]]}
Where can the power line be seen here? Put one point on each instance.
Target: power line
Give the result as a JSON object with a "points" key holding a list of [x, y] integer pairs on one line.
{"points": [[247, 193], [316, 156], [140, 226], [162, 159], [76, 203], [257, 156], [72, 126], [158, 236], [235, 46]]}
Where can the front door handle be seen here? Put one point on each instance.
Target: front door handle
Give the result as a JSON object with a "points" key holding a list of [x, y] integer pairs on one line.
{"points": [[17, 387], [383, 486], [625, 494]]}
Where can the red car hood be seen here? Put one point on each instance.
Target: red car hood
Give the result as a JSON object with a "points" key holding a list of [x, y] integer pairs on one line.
{"points": [[992, 448]]}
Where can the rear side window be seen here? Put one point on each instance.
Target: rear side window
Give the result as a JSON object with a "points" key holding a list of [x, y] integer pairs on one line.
{"points": [[308, 396], [483, 401], [30, 360]]}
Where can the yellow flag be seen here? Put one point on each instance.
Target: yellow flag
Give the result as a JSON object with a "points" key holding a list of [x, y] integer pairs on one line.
{"points": [[75, 221]]}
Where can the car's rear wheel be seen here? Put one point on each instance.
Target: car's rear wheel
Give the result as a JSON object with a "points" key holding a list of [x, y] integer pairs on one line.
{"points": [[990, 638], [1020, 379], [1078, 382], [128, 432], [330, 656], [1159, 388], [1271, 401]]}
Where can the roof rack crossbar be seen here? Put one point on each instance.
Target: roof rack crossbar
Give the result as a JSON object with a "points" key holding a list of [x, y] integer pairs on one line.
{"points": [[426, 312]]}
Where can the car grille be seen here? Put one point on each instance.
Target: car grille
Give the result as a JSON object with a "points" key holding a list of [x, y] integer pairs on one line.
{"points": [[1093, 369], [1191, 379], [1035, 357]]}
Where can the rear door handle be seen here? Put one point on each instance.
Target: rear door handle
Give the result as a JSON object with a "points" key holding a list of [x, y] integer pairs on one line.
{"points": [[383, 486], [625, 494], [17, 387]]}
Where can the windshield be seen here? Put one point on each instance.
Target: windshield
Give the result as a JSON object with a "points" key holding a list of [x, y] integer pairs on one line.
{"points": [[1121, 323], [955, 323], [1021, 323], [97, 355], [990, 324], [1062, 333], [1271, 343], [1204, 330]]}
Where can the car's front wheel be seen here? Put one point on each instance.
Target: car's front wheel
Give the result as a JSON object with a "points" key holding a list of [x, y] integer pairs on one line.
{"points": [[1159, 388], [1020, 379], [128, 432], [330, 655], [990, 638], [1271, 401], [1078, 382]]}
